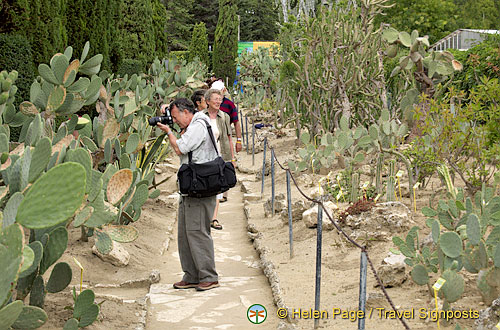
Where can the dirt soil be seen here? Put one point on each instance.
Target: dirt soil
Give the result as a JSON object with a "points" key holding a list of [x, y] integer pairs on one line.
{"points": [[123, 290]]}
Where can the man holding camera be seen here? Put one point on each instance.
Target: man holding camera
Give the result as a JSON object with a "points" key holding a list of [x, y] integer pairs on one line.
{"points": [[196, 247]]}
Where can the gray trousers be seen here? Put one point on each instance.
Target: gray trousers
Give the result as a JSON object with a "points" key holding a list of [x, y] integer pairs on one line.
{"points": [[196, 247]]}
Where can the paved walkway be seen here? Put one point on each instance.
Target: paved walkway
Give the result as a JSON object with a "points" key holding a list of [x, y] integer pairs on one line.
{"points": [[242, 282]]}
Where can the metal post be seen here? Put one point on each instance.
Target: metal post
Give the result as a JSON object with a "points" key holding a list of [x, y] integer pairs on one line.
{"points": [[263, 167], [242, 128], [272, 182], [289, 200], [253, 143], [318, 263], [246, 123], [362, 289]]}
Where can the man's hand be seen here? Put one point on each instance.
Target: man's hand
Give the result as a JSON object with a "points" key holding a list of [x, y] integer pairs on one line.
{"points": [[164, 128], [238, 146]]}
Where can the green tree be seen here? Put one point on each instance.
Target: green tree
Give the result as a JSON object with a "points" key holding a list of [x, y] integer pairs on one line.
{"points": [[258, 20], [78, 23], [180, 23], [160, 17], [15, 15], [435, 18], [136, 31], [114, 16], [478, 14], [226, 41], [206, 11], [199, 43]]}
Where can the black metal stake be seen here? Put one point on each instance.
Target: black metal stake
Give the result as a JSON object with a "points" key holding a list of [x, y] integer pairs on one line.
{"points": [[263, 167], [246, 124], [253, 144], [242, 128], [318, 263], [272, 182], [362, 290], [289, 200]]}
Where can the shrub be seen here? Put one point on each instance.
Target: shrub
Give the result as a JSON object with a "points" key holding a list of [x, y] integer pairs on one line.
{"points": [[180, 54], [16, 55], [130, 66], [199, 43]]}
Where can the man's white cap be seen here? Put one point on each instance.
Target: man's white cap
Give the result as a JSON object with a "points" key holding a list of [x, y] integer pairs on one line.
{"points": [[219, 85]]}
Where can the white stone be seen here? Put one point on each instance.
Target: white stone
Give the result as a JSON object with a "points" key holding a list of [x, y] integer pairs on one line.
{"points": [[310, 217], [251, 197], [118, 255], [394, 259]]}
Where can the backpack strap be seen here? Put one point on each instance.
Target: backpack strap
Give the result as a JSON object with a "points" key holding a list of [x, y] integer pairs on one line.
{"points": [[212, 138]]}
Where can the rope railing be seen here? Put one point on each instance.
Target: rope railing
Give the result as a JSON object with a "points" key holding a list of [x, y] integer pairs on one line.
{"points": [[321, 207]]}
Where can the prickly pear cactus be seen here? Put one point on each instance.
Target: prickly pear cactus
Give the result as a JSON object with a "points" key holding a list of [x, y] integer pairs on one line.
{"points": [[85, 310]]}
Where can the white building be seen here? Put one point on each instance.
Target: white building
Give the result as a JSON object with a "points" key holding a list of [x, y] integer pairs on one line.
{"points": [[462, 39]]}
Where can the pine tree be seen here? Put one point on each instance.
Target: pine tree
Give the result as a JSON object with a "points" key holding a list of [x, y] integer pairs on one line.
{"points": [[199, 43], [78, 23], [160, 17], [258, 20], [206, 11], [180, 23], [226, 41], [136, 31], [114, 16]]}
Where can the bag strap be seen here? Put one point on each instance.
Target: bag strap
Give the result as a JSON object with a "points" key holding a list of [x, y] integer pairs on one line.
{"points": [[209, 128]]}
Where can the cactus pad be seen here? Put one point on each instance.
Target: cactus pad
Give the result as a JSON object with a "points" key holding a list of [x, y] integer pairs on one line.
{"points": [[31, 317], [451, 244], [10, 210], [28, 258], [419, 275], [40, 158], [155, 194], [118, 185], [37, 249], [111, 130], [71, 324], [62, 144], [132, 143], [82, 216], [59, 278], [37, 294], [103, 242], [54, 197], [140, 197], [54, 248], [83, 301], [453, 289], [122, 234], [473, 229], [10, 313], [11, 253]]}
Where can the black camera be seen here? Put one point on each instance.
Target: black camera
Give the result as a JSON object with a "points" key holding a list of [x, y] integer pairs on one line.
{"points": [[165, 120]]}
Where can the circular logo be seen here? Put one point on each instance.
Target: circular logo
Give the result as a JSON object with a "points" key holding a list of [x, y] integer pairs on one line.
{"points": [[256, 314]]}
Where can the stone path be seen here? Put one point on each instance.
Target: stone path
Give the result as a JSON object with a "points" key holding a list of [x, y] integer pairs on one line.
{"points": [[242, 282]]}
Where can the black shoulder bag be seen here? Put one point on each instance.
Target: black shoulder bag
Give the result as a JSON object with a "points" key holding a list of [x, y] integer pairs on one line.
{"points": [[206, 179]]}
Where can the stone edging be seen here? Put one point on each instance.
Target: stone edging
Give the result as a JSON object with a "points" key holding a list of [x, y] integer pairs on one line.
{"points": [[268, 267]]}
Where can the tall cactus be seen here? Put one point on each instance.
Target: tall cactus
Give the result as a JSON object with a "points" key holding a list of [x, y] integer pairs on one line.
{"points": [[391, 182]]}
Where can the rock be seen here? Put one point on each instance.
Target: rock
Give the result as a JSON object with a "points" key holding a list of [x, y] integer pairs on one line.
{"points": [[317, 192], [305, 180], [394, 259], [427, 241], [392, 275], [310, 217], [245, 187], [489, 317], [393, 216], [118, 255], [251, 197], [154, 277], [377, 300], [298, 208], [280, 203], [170, 200], [267, 172]]}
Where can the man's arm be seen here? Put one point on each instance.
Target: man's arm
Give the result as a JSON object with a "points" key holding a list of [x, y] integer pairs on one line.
{"points": [[171, 138], [237, 128]]}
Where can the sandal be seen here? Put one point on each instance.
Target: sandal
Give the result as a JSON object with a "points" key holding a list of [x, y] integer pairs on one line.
{"points": [[215, 224], [223, 199]]}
